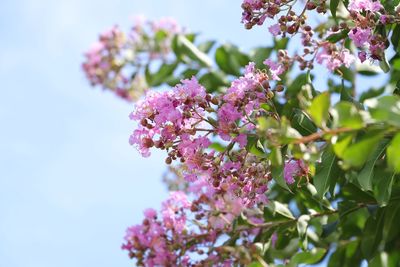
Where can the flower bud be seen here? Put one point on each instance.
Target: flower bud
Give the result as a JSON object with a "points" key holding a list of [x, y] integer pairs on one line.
{"points": [[279, 88], [147, 142], [311, 6]]}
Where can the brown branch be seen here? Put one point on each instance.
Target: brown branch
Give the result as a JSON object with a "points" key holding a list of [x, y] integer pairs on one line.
{"points": [[319, 135]]}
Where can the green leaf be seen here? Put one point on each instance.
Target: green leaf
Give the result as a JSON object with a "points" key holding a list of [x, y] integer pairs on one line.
{"points": [[338, 257], [172, 80], [229, 59], [336, 37], [276, 156], [189, 73], [326, 171], [367, 173], [186, 47], [295, 86], [385, 109], [191, 36], [319, 109], [217, 147], [353, 192], [395, 39], [255, 147], [329, 228], [393, 154], [265, 123], [255, 264], [213, 81], [372, 235], [281, 209], [368, 70], [206, 46], [391, 228], [380, 260], [162, 74], [345, 93], [287, 133], [302, 123], [371, 93], [280, 43], [308, 257], [259, 54], [333, 5], [382, 186], [277, 175], [347, 74], [346, 115], [302, 225], [396, 64], [384, 64], [346, 207], [227, 63], [390, 4], [346, 255], [160, 36], [358, 153], [341, 143]]}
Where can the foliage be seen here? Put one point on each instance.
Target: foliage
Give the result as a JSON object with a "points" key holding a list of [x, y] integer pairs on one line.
{"points": [[267, 167]]}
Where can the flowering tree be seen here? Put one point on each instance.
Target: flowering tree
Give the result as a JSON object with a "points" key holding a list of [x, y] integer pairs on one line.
{"points": [[267, 167]]}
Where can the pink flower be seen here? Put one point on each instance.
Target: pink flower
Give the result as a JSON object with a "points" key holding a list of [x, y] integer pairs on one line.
{"points": [[384, 19], [333, 59], [189, 89], [169, 25], [150, 214], [276, 69], [141, 138], [242, 85], [172, 217], [255, 4], [191, 150], [362, 55], [364, 5], [275, 29], [360, 36], [274, 238], [190, 177], [227, 115], [377, 49], [346, 58], [294, 168], [241, 139]]}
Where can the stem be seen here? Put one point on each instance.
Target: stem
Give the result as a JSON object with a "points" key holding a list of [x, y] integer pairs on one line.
{"points": [[203, 130], [272, 224], [319, 135]]}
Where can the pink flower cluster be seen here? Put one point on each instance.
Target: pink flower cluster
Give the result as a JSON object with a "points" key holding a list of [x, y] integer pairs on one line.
{"points": [[184, 122], [117, 60], [365, 5], [222, 185], [255, 12], [331, 55], [170, 117], [104, 61], [332, 58], [367, 15], [185, 231]]}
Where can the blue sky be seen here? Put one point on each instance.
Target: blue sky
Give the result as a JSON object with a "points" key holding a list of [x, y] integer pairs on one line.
{"points": [[69, 182]]}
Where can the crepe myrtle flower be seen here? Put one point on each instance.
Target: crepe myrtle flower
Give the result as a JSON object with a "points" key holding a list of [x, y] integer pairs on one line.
{"points": [[294, 168]]}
